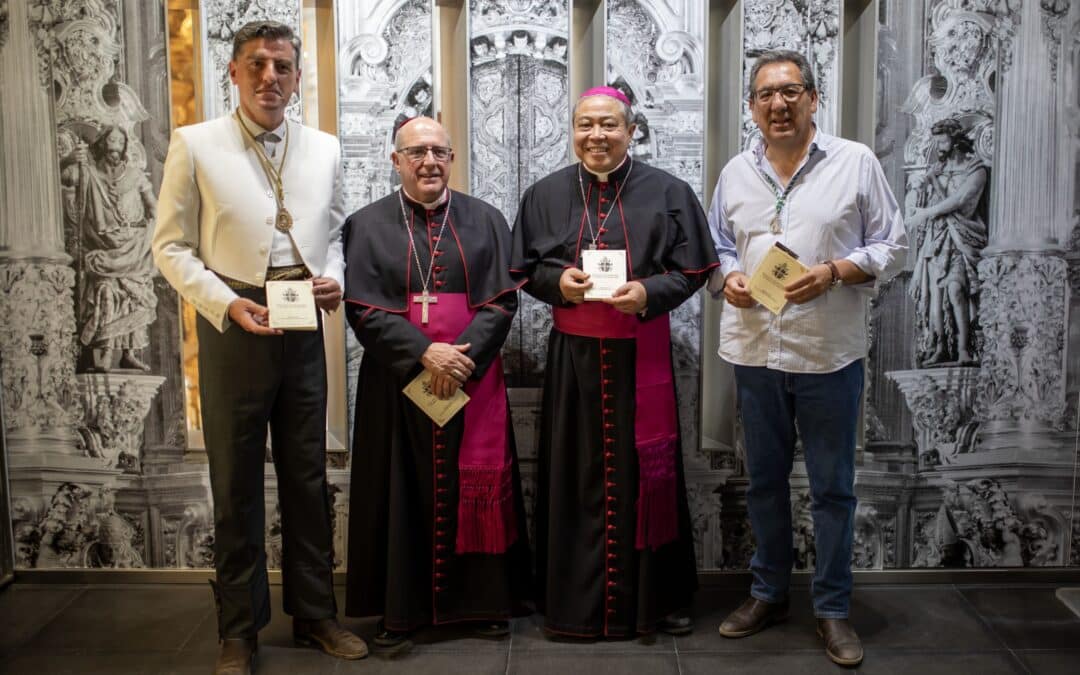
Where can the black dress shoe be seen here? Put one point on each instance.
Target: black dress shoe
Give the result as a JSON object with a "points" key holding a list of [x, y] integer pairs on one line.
{"points": [[390, 643], [752, 616], [492, 630], [676, 623]]}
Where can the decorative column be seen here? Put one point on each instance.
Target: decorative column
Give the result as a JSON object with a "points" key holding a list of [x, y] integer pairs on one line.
{"points": [[1024, 312], [36, 278]]}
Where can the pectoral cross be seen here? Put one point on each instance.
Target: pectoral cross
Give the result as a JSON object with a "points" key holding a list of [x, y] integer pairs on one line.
{"points": [[425, 299]]}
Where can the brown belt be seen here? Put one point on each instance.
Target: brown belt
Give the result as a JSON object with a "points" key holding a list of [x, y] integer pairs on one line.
{"points": [[288, 273]]}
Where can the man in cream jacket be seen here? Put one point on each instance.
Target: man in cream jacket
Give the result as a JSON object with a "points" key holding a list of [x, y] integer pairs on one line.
{"points": [[247, 198]]}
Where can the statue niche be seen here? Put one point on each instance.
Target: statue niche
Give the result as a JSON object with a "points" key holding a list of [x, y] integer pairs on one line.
{"points": [[948, 229]]}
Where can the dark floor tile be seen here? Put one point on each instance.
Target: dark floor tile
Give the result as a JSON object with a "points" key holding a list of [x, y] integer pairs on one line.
{"points": [[529, 635], [797, 633], [751, 663], [1026, 618], [25, 609], [455, 638], [126, 618], [543, 663], [426, 664], [80, 662], [269, 661], [1051, 661], [929, 663], [933, 618]]}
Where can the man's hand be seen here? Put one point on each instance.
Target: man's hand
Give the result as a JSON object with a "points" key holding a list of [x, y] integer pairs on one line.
{"points": [[449, 367], [327, 293], [630, 298], [816, 281], [737, 290], [572, 284], [252, 317]]}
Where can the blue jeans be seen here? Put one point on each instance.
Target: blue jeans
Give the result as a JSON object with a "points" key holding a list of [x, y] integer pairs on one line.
{"points": [[825, 407]]}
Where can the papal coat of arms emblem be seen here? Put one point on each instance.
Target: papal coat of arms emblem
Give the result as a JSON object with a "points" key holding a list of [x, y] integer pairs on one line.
{"points": [[290, 295], [781, 271]]}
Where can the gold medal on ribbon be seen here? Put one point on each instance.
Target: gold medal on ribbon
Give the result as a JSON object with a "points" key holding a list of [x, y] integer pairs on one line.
{"points": [[284, 220]]}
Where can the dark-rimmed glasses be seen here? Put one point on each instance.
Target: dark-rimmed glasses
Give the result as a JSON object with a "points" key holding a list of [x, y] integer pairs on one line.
{"points": [[789, 92]]}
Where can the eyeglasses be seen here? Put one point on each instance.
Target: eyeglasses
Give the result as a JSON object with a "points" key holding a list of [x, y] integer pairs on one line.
{"points": [[417, 153], [789, 92]]}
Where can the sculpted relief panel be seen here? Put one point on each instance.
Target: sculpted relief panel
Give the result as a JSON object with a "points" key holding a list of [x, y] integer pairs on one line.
{"points": [[519, 121]]}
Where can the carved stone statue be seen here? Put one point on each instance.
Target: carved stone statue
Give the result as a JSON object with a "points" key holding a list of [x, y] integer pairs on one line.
{"points": [[112, 209], [949, 235]]}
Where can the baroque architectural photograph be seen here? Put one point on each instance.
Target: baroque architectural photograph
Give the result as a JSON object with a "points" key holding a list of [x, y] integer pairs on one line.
{"points": [[968, 438]]}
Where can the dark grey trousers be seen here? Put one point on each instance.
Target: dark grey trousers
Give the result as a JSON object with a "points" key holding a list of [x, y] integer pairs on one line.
{"points": [[247, 382]]}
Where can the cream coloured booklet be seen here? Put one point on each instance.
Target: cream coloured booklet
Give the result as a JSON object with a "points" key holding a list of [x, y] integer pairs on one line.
{"points": [[439, 410], [606, 269], [778, 269], [291, 305]]}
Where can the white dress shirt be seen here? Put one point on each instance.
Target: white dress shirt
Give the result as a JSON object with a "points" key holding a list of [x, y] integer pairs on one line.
{"points": [[840, 207]]}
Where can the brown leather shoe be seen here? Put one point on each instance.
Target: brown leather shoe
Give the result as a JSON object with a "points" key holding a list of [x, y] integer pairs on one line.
{"points": [[752, 616], [329, 636], [841, 642], [236, 657]]}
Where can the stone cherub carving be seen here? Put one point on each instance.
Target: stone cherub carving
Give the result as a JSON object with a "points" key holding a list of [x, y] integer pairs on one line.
{"points": [[112, 209], [949, 235]]}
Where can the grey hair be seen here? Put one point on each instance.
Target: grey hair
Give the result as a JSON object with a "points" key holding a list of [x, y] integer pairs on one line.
{"points": [[782, 56], [267, 30], [398, 144], [627, 112]]}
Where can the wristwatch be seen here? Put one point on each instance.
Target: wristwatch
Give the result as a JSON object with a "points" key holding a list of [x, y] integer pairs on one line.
{"points": [[837, 280]]}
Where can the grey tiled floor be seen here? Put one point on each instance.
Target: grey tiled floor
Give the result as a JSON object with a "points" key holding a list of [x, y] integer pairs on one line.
{"points": [[924, 630]]}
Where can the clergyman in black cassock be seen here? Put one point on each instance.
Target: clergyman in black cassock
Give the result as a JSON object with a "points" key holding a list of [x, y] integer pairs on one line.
{"points": [[437, 522], [614, 547]]}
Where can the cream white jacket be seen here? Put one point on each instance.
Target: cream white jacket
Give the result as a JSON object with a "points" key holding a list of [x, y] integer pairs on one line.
{"points": [[216, 211]]}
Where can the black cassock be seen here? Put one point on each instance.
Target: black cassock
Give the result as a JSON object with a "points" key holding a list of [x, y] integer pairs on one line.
{"points": [[594, 578], [405, 483]]}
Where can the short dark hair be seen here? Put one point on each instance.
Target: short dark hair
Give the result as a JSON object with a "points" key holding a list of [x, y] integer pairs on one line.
{"points": [[782, 56], [267, 30]]}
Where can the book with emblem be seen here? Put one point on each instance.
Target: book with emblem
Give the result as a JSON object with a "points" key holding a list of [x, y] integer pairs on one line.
{"points": [[778, 269], [439, 410], [606, 269], [291, 305]]}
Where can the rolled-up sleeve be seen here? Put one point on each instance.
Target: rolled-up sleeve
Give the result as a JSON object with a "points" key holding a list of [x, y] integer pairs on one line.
{"points": [[723, 240], [884, 236]]}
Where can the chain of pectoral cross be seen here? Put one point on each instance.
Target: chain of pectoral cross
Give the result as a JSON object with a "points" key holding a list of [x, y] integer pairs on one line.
{"points": [[425, 298]]}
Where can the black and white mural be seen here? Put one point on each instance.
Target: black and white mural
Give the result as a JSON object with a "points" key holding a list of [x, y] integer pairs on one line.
{"points": [[970, 418]]}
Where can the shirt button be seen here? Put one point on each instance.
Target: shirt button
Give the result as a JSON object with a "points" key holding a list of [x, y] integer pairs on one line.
{"points": [[263, 250], [270, 194]]}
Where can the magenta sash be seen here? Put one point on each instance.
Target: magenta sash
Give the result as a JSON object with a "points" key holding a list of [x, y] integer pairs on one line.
{"points": [[486, 522], [655, 418]]}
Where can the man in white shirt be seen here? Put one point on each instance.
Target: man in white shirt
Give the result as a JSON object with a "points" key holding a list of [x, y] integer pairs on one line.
{"points": [[801, 371], [247, 198]]}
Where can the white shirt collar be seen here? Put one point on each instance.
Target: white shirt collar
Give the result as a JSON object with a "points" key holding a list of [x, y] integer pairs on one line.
{"points": [[428, 205], [603, 177]]}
